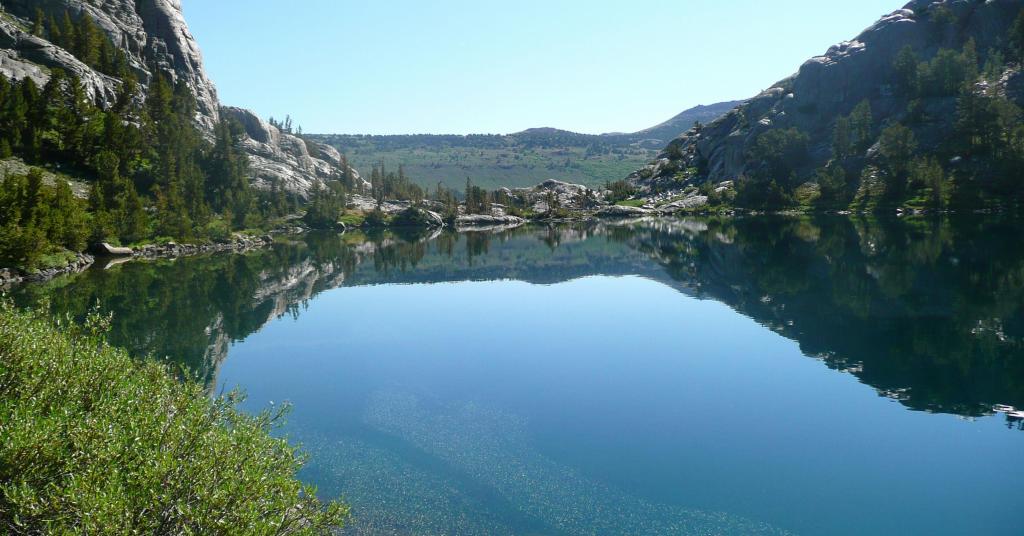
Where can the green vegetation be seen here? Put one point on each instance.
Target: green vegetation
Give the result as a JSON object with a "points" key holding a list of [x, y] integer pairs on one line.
{"points": [[98, 443], [37, 220], [619, 191], [151, 173], [85, 41], [631, 203], [494, 161], [959, 143], [326, 207]]}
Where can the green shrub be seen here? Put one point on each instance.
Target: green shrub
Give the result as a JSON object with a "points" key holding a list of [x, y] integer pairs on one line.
{"points": [[376, 218], [95, 442]]}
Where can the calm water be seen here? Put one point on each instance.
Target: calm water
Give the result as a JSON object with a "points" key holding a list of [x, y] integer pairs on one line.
{"points": [[758, 376]]}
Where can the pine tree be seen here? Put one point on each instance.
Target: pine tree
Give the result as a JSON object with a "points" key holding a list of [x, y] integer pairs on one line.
{"points": [[68, 34], [861, 126], [905, 69], [842, 145], [37, 24], [1017, 37], [897, 146]]}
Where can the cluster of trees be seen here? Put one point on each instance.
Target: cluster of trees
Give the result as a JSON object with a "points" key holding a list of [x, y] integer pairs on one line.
{"points": [[478, 200], [326, 206], [620, 191], [286, 126], [136, 155], [85, 40], [978, 158], [34, 215], [773, 162], [386, 184], [151, 172]]}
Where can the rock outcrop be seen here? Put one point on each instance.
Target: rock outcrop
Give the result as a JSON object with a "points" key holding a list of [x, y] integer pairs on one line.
{"points": [[154, 36], [150, 32], [831, 85], [23, 55], [477, 221], [283, 160], [621, 211], [561, 194]]}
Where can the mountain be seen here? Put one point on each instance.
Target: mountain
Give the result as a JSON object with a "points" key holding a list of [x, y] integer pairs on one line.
{"points": [[920, 110], [154, 38], [673, 128], [517, 160]]}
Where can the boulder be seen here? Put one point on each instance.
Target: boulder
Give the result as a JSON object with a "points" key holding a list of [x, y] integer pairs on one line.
{"points": [[690, 203], [487, 220], [108, 250], [417, 217]]}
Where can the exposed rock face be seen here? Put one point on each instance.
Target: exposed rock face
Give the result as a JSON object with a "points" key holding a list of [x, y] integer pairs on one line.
{"points": [[563, 194], [151, 32], [23, 55], [830, 85], [284, 160], [154, 33]]}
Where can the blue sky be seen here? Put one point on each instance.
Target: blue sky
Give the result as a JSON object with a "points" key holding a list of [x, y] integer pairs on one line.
{"points": [[482, 66]]}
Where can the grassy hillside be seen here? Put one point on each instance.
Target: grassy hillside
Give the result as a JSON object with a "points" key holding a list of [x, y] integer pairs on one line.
{"points": [[517, 160], [496, 162]]}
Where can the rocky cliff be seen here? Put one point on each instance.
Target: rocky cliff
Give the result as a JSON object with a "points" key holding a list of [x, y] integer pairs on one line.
{"points": [[154, 36], [829, 86]]}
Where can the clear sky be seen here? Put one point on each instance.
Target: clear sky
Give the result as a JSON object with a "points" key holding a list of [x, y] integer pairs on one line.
{"points": [[487, 66]]}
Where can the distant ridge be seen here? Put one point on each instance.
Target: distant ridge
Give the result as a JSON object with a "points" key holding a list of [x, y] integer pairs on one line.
{"points": [[520, 159], [661, 133]]}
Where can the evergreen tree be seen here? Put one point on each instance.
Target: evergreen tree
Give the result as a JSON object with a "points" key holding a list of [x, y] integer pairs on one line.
{"points": [[861, 126], [897, 146], [38, 29], [842, 141], [905, 70], [1017, 37]]}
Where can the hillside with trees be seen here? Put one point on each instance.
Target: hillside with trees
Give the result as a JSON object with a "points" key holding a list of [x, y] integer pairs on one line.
{"points": [[920, 112], [105, 140]]}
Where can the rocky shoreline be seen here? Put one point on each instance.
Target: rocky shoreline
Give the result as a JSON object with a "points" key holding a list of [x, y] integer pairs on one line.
{"points": [[14, 276], [171, 250]]}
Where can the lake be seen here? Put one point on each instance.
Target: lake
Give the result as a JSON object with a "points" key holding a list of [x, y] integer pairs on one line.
{"points": [[761, 375]]}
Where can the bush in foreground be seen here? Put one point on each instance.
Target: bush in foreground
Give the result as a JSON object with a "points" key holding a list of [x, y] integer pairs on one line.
{"points": [[95, 442]]}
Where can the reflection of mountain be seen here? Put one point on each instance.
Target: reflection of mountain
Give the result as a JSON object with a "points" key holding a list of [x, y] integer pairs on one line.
{"points": [[929, 313]]}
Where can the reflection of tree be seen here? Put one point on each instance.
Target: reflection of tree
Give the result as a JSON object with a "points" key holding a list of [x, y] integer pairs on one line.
{"points": [[478, 244], [926, 311]]}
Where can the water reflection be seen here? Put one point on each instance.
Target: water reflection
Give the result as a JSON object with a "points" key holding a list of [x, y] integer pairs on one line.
{"points": [[928, 312]]}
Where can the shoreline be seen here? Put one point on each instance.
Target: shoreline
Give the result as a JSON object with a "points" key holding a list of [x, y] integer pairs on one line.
{"points": [[83, 261]]}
